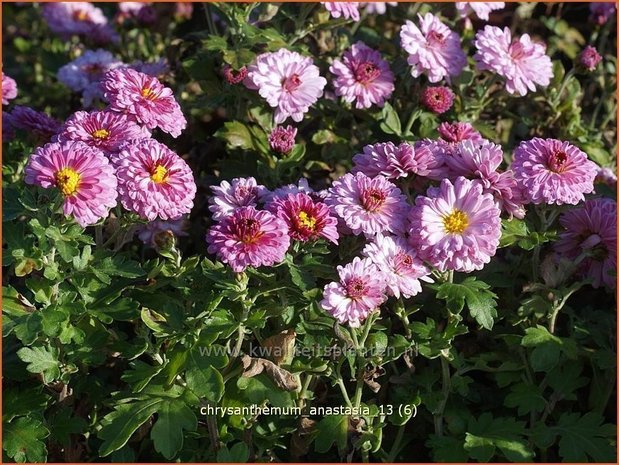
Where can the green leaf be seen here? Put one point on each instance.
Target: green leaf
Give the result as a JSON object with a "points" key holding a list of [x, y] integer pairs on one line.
{"points": [[238, 453], [332, 429], [173, 417], [236, 135], [584, 438], [41, 360], [63, 425], [447, 449], [119, 425], [487, 434], [390, 123], [526, 397], [479, 300], [176, 363], [140, 374], [22, 440]]}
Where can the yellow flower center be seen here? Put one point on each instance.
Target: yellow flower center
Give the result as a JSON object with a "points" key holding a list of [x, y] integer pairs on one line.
{"points": [[67, 180], [101, 134], [80, 15], [307, 221], [456, 222], [148, 93], [159, 174]]}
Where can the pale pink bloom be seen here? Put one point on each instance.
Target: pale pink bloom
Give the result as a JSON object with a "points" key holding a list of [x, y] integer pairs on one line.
{"points": [[359, 291], [378, 8], [9, 89], [393, 161], [241, 192], [522, 62], [347, 10], [481, 9], [432, 48]]}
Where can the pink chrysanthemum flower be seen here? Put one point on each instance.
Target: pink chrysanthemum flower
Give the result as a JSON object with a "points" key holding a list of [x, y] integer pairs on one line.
{"points": [[606, 176], [394, 161], [362, 76], [437, 99], [281, 139], [81, 173], [592, 230], [105, 130], [457, 132], [141, 12], [481, 160], [68, 18], [347, 10], [378, 8], [601, 12], [9, 89], [234, 76], [145, 98], [183, 10], [368, 205], [456, 227], [360, 290], [307, 220], [481, 9], [249, 237], [39, 123], [153, 181], [552, 171], [241, 192], [302, 186], [289, 82], [589, 58], [399, 264], [158, 233], [522, 62], [432, 48]]}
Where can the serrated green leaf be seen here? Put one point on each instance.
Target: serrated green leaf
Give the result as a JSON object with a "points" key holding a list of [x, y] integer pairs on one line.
{"points": [[173, 416], [332, 429], [22, 440], [41, 360]]}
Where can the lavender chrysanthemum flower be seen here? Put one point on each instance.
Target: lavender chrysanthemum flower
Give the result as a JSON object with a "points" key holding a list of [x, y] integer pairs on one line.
{"points": [[81, 173], [158, 233], [589, 58], [522, 62], [481, 9], [457, 132], [141, 12], [234, 76], [153, 181], [437, 99], [105, 130], [289, 82], [248, 237], [158, 68], [306, 220], [8, 132], [591, 230], [241, 192], [378, 8], [606, 176], [601, 12], [347, 10], [399, 264], [368, 205], [432, 48], [393, 161], [281, 139], [456, 227], [145, 98], [359, 291], [553, 172], [9, 89], [78, 18], [37, 122], [362, 76], [302, 186]]}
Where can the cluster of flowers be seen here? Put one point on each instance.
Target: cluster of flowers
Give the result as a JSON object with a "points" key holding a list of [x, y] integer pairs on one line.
{"points": [[455, 226], [96, 157]]}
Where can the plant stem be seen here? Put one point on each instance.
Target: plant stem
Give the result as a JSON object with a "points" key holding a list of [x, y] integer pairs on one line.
{"points": [[395, 448], [340, 383], [303, 393], [438, 418]]}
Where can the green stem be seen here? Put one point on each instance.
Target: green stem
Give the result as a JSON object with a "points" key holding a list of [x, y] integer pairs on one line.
{"points": [[395, 449], [303, 393], [438, 418], [340, 383]]}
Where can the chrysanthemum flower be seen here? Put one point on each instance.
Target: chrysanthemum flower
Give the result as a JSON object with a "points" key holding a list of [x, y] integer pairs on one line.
{"points": [[141, 12], [481, 9], [37, 122], [360, 290], [289, 82], [81, 173], [281, 139], [302, 186], [144, 97], [362, 76], [234, 76], [248, 237], [183, 10], [153, 181], [457, 132], [8, 132], [437, 99], [394, 161], [241, 192], [552, 171], [589, 58], [368, 205], [601, 12], [432, 48], [106, 130], [306, 220], [399, 264], [456, 227], [158, 233], [606, 176], [522, 62], [78, 18], [157, 68], [347, 10], [592, 230], [378, 8], [9, 89]]}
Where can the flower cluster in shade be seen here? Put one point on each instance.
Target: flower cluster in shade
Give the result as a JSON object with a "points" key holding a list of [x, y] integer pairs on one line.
{"points": [[79, 18]]}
